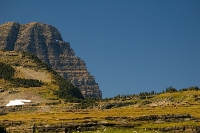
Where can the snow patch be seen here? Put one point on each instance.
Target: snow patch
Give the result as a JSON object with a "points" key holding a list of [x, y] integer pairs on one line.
{"points": [[17, 102]]}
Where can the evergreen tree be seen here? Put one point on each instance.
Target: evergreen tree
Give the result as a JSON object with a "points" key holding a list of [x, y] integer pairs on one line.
{"points": [[170, 89]]}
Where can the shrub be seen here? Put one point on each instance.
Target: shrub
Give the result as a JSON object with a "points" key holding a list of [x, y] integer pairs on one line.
{"points": [[170, 89]]}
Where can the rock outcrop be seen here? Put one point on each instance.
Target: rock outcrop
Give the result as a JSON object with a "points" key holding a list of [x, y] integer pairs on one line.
{"points": [[46, 43]]}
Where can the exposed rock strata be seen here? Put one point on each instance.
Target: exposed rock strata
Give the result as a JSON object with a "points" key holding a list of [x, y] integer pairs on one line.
{"points": [[46, 42]]}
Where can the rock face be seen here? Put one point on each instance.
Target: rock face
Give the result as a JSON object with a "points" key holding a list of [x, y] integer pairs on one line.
{"points": [[46, 43]]}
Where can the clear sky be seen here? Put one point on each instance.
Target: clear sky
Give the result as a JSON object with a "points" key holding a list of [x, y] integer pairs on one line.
{"points": [[129, 46]]}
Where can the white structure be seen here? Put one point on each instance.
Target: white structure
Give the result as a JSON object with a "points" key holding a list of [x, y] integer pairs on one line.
{"points": [[17, 102]]}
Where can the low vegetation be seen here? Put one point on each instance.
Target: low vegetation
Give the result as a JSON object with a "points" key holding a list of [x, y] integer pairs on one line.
{"points": [[67, 90], [127, 115], [6, 71]]}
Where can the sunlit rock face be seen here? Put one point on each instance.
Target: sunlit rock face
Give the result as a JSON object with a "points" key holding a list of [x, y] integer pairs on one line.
{"points": [[46, 43]]}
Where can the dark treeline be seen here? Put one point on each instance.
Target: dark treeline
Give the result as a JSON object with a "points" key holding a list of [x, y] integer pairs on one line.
{"points": [[142, 95], [20, 82], [93, 102], [190, 88]]}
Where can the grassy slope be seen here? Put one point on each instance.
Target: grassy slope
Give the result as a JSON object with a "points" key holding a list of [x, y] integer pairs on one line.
{"points": [[57, 115], [28, 69]]}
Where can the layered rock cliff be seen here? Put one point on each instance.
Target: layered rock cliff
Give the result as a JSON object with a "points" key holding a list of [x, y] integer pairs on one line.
{"points": [[46, 43]]}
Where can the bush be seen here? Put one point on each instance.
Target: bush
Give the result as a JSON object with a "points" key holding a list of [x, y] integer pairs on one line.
{"points": [[170, 89]]}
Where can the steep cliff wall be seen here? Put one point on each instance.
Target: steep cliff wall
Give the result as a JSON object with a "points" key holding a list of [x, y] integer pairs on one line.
{"points": [[46, 42]]}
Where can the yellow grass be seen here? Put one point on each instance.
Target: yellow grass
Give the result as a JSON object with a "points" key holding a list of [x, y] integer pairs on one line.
{"points": [[131, 111], [59, 113], [29, 73]]}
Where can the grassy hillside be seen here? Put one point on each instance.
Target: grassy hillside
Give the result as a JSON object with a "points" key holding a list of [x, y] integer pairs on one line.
{"points": [[138, 117], [24, 76]]}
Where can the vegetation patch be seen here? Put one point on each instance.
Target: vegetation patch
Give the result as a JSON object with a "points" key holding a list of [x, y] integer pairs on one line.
{"points": [[6, 71], [21, 82], [67, 90], [2, 129]]}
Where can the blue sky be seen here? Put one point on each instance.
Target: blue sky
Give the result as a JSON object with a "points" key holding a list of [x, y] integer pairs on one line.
{"points": [[129, 46]]}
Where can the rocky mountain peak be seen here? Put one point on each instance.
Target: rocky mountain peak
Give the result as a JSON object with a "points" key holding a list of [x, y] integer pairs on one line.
{"points": [[46, 42]]}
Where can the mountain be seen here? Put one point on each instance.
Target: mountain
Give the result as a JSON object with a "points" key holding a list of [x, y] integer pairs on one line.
{"points": [[46, 43]]}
